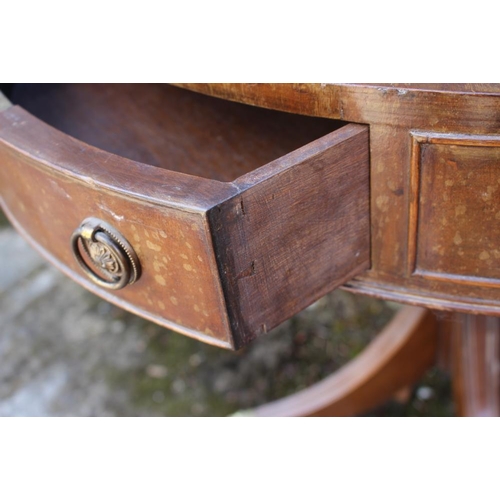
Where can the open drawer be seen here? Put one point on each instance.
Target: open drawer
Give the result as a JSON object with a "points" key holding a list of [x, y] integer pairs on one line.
{"points": [[211, 243]]}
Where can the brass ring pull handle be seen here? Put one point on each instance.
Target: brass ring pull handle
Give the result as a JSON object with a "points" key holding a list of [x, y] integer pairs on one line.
{"points": [[111, 254]]}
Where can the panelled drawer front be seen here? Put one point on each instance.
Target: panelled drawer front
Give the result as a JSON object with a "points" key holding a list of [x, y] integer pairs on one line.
{"points": [[221, 261], [455, 185]]}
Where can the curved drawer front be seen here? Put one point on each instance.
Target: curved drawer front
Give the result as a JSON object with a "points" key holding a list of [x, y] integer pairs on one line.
{"points": [[220, 261], [51, 183]]}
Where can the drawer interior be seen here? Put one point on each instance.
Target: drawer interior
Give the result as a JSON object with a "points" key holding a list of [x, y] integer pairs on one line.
{"points": [[169, 127]]}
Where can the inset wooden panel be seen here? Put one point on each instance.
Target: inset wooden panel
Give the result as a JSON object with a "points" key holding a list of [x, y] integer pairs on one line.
{"points": [[454, 232]]}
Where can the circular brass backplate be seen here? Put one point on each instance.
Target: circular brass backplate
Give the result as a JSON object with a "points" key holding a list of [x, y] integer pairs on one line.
{"points": [[115, 261]]}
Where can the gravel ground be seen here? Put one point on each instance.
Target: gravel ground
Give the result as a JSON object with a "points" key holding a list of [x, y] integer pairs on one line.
{"points": [[64, 352]]}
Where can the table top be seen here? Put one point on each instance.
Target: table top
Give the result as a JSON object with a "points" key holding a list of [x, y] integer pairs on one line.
{"points": [[394, 103]]}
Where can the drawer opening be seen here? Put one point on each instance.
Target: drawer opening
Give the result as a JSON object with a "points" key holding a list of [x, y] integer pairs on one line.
{"points": [[171, 128], [253, 214]]}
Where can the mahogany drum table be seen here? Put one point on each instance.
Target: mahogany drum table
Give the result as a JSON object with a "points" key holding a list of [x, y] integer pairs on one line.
{"points": [[221, 210]]}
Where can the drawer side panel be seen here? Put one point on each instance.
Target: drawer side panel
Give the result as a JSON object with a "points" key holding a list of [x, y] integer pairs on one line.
{"points": [[299, 229]]}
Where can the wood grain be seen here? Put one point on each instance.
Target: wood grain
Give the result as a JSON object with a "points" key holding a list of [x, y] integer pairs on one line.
{"points": [[50, 183], [395, 105], [393, 112], [298, 229], [274, 239], [454, 200], [171, 128], [221, 261], [475, 344]]}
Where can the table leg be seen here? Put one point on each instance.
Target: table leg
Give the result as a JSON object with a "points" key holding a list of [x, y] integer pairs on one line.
{"points": [[475, 364]]}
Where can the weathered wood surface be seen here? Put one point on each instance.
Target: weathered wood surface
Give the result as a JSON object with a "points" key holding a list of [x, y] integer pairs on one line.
{"points": [[49, 183], [298, 229], [402, 105], [171, 128], [426, 141], [397, 114], [455, 206], [221, 261]]}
